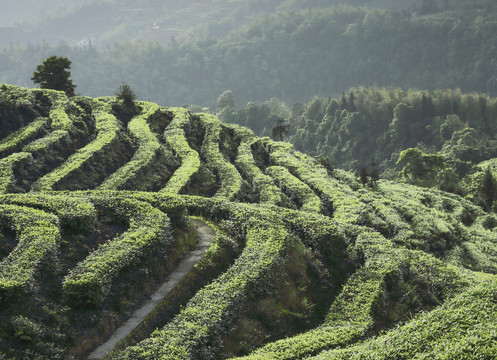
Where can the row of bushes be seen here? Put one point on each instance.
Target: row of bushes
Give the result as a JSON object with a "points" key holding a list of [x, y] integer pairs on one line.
{"points": [[176, 140], [262, 183], [38, 238], [391, 283], [444, 224], [296, 190], [218, 257], [189, 336], [337, 197], [7, 178], [59, 118], [418, 280], [197, 330], [465, 327], [107, 128], [149, 232], [75, 213], [18, 139], [229, 177], [56, 138], [60, 123], [148, 148]]}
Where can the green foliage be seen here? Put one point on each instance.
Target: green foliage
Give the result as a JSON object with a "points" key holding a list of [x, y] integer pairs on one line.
{"points": [[279, 130], [262, 183], [468, 320], [61, 123], [148, 147], [38, 237], [338, 197], [107, 128], [488, 188], [265, 58], [7, 180], [297, 191], [125, 106], [190, 161], [74, 213], [126, 95], [89, 282], [211, 310], [16, 140], [420, 166], [352, 262], [386, 121], [54, 73], [226, 111], [230, 179]]}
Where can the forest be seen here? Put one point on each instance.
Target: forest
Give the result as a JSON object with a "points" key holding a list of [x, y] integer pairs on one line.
{"points": [[370, 127], [292, 55]]}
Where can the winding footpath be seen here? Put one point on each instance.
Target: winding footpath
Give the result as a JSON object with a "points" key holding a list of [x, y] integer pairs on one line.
{"points": [[206, 235]]}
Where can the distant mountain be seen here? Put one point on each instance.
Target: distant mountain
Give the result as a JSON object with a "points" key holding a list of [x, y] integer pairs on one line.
{"points": [[292, 56]]}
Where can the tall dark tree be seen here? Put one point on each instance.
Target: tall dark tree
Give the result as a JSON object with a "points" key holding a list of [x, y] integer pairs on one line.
{"points": [[226, 99], [280, 129], [126, 95], [427, 107], [374, 176], [54, 73], [363, 175], [488, 188], [125, 108]]}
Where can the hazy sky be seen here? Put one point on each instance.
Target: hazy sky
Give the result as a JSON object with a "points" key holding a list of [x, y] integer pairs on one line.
{"points": [[22, 11]]}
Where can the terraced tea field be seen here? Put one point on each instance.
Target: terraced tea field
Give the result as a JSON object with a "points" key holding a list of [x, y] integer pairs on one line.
{"points": [[95, 214]]}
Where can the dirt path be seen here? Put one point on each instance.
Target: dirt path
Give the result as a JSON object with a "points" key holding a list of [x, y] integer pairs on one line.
{"points": [[206, 234]]}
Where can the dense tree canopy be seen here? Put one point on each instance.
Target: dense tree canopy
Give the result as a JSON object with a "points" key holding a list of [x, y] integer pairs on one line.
{"points": [[292, 56], [420, 166], [54, 73]]}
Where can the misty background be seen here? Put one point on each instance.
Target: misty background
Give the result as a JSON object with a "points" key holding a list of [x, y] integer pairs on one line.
{"points": [[189, 52]]}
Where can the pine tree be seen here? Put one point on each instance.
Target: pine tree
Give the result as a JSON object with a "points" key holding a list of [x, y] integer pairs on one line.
{"points": [[54, 73]]}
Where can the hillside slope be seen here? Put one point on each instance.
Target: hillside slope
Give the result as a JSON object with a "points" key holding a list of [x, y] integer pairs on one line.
{"points": [[94, 215]]}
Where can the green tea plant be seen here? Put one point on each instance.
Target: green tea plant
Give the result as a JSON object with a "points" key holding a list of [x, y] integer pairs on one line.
{"points": [[297, 190], [89, 282], [229, 177], [190, 161], [38, 238], [306, 262], [262, 183], [148, 146], [17, 139], [107, 128]]}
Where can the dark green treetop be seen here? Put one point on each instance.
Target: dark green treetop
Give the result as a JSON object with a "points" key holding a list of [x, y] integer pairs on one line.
{"points": [[54, 73], [420, 166]]}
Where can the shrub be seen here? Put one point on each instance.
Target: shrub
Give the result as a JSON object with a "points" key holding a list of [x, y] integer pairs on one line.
{"points": [[89, 282], [148, 148], [229, 177], [190, 161], [38, 238]]}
